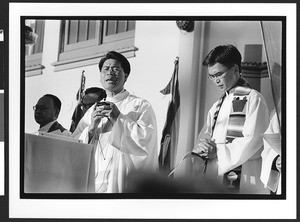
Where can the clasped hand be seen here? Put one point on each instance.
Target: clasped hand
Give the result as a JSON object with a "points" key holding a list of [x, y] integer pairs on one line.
{"points": [[206, 148], [107, 109]]}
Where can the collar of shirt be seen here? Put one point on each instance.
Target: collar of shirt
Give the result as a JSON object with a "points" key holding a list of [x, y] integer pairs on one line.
{"points": [[46, 127], [241, 82], [118, 97]]}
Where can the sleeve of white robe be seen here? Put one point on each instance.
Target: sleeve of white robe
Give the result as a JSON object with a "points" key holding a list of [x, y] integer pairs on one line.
{"points": [[269, 154], [241, 149], [136, 135]]}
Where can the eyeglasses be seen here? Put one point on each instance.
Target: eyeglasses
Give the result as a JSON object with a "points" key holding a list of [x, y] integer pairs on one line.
{"points": [[113, 68], [219, 75], [41, 108]]}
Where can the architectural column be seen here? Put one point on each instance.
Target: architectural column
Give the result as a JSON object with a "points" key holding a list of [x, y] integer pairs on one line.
{"points": [[189, 57]]}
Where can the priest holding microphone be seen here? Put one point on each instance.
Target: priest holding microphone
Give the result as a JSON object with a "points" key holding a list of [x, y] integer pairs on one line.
{"points": [[122, 129]]}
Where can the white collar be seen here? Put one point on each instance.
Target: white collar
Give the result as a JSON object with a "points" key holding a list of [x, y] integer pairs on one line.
{"points": [[118, 97]]}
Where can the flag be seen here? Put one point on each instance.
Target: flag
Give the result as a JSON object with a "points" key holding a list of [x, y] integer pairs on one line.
{"points": [[76, 117], [169, 140], [78, 113]]}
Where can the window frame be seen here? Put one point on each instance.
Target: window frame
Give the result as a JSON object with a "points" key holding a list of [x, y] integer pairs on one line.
{"points": [[33, 62], [83, 44], [83, 54]]}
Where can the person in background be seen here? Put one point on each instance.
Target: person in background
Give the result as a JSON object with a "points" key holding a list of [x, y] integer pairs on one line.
{"points": [[122, 130], [230, 142], [91, 96], [46, 112], [271, 158]]}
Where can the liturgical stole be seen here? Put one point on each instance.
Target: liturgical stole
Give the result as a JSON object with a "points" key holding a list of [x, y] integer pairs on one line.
{"points": [[235, 127]]}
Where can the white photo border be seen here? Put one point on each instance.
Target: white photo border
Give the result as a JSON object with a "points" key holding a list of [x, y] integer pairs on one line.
{"points": [[149, 208]]}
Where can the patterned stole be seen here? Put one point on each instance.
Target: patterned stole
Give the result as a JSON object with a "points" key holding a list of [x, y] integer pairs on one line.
{"points": [[235, 126], [218, 107]]}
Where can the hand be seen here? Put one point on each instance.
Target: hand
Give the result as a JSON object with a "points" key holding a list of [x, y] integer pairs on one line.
{"points": [[111, 111], [95, 120], [278, 163], [206, 148]]}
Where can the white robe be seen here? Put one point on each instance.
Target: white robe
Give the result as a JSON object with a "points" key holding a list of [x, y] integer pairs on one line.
{"points": [[128, 144], [270, 178], [245, 150]]}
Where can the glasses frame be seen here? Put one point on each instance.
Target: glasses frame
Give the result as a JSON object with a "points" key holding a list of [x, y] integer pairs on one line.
{"points": [[114, 69], [220, 75], [35, 108]]}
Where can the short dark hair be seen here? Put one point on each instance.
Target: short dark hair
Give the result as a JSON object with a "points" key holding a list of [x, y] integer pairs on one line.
{"points": [[56, 101], [97, 90], [117, 56], [227, 55]]}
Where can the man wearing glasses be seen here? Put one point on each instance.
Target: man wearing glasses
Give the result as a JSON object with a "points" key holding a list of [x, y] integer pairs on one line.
{"points": [[46, 112], [230, 142]]}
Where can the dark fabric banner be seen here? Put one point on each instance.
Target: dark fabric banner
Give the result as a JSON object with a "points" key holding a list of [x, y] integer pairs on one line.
{"points": [[76, 117], [169, 140]]}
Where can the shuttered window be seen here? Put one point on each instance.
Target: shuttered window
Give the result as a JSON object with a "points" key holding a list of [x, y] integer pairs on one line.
{"points": [[84, 41]]}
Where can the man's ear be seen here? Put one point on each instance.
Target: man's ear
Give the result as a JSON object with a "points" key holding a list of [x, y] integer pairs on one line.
{"points": [[126, 76], [236, 68], [57, 113]]}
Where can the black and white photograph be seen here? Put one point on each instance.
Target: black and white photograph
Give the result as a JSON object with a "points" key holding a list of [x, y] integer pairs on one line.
{"points": [[151, 106], [132, 152]]}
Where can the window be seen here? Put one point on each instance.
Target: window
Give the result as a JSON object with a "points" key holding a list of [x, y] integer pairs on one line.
{"points": [[33, 54], [84, 41]]}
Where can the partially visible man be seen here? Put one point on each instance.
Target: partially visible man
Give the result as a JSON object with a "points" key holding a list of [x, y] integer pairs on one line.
{"points": [[271, 157], [46, 112], [230, 142], [91, 96]]}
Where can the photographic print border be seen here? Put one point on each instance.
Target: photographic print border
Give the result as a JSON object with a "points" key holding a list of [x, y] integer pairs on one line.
{"points": [[16, 202]]}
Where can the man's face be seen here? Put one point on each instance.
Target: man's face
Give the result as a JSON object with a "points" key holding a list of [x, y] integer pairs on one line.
{"points": [[89, 100], [45, 111], [112, 76], [227, 76]]}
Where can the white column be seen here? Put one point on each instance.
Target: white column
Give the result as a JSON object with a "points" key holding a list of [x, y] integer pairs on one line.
{"points": [[189, 60]]}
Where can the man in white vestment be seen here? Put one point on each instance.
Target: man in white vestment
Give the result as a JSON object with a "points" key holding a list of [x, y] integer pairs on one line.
{"points": [[122, 129], [46, 112], [230, 142]]}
